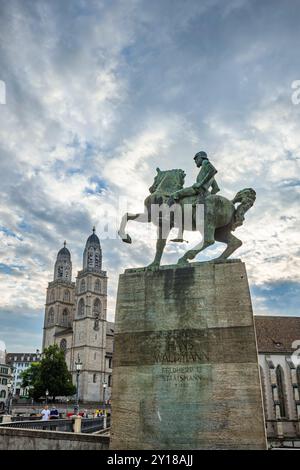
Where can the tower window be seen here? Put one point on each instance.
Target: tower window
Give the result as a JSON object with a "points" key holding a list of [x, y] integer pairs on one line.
{"points": [[81, 308], [63, 345], [109, 380], [94, 378], [51, 317], [91, 257], [97, 308], [82, 285], [65, 317], [97, 286], [67, 295]]}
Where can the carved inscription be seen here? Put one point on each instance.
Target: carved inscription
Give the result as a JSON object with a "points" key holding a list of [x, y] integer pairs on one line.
{"points": [[180, 347], [181, 376]]}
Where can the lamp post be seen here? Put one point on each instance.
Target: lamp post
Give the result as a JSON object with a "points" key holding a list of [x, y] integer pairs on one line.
{"points": [[104, 389], [78, 366], [47, 394]]}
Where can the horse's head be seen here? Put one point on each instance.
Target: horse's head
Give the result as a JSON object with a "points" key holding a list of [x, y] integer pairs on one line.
{"points": [[168, 181]]}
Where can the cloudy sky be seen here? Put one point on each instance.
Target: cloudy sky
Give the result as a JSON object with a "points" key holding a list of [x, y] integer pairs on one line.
{"points": [[100, 93]]}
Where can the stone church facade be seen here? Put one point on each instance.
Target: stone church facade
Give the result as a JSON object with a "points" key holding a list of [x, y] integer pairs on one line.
{"points": [[76, 320]]}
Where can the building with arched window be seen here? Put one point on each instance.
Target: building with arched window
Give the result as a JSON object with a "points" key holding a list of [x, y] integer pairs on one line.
{"points": [[75, 319], [279, 358], [6, 375]]}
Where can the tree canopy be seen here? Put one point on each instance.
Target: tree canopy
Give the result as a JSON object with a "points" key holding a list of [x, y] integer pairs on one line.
{"points": [[51, 374]]}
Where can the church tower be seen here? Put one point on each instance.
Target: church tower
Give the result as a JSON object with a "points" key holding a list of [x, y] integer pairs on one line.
{"points": [[59, 308], [89, 326]]}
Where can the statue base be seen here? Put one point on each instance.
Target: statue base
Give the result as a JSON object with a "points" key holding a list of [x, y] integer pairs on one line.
{"points": [[185, 372]]}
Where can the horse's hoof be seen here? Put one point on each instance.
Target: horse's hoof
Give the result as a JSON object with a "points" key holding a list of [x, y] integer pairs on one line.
{"points": [[153, 267], [183, 262], [125, 237]]}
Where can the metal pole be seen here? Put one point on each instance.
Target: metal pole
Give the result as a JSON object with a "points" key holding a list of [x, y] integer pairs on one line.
{"points": [[6, 408], [77, 391], [10, 401]]}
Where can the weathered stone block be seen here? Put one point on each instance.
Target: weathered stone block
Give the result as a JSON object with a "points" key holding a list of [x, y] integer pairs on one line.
{"points": [[185, 370]]}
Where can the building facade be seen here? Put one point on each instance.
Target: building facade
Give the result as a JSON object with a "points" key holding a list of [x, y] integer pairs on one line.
{"points": [[6, 374], [19, 362], [278, 340], [76, 320]]}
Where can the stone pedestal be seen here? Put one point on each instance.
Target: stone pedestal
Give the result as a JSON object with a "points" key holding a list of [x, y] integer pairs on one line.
{"points": [[185, 371]]}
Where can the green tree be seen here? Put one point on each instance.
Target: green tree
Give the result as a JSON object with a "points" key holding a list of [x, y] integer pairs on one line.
{"points": [[50, 374], [31, 378]]}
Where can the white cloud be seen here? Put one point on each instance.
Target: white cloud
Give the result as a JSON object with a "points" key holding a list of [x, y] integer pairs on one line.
{"points": [[99, 94]]}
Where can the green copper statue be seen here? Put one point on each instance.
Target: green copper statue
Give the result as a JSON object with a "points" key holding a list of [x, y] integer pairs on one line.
{"points": [[205, 179], [220, 215]]}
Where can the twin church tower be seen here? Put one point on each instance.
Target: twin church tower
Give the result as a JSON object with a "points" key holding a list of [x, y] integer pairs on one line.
{"points": [[75, 320]]}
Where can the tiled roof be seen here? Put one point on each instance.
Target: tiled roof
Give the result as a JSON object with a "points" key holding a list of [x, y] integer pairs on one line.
{"points": [[110, 328], [276, 334]]}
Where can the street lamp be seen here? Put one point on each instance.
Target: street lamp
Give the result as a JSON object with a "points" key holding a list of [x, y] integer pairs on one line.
{"points": [[78, 366], [47, 393], [104, 388]]}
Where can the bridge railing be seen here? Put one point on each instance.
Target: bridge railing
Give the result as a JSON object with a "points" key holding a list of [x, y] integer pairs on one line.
{"points": [[87, 425], [90, 425], [51, 425]]}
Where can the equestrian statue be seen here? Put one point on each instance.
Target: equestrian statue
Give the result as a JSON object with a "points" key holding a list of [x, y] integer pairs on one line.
{"points": [[221, 216]]}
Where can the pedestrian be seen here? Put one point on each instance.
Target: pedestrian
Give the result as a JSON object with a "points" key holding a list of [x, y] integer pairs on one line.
{"points": [[54, 413], [45, 413]]}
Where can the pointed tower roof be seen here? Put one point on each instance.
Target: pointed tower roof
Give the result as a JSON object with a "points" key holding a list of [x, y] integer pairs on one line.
{"points": [[63, 265], [92, 255], [93, 239], [64, 251]]}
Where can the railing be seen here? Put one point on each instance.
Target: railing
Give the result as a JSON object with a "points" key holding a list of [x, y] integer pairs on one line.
{"points": [[25, 418], [51, 425], [89, 425]]}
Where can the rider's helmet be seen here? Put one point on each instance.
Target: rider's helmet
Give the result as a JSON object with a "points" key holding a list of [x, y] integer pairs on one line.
{"points": [[201, 154]]}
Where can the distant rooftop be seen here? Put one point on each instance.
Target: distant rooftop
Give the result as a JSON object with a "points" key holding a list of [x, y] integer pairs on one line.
{"points": [[276, 334]]}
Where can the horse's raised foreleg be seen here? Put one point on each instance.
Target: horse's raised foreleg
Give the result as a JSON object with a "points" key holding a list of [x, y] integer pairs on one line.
{"points": [[225, 236], [208, 240], [142, 217]]}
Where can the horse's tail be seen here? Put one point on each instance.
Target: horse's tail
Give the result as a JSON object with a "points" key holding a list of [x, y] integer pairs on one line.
{"points": [[246, 198]]}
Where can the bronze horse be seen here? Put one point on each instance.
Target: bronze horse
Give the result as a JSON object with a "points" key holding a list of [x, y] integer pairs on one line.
{"points": [[221, 216]]}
